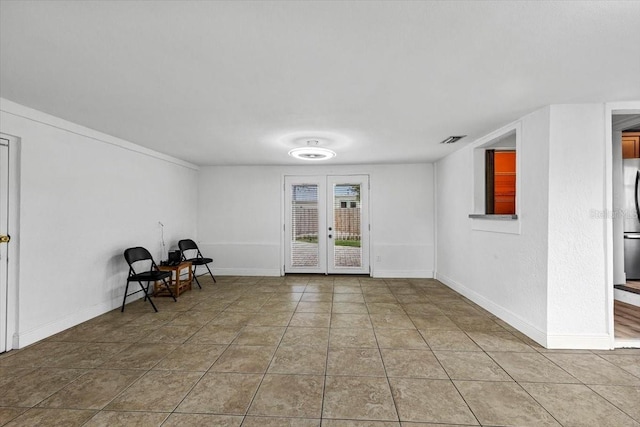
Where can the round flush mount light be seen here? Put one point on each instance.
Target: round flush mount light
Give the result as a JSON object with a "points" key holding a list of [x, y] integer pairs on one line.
{"points": [[312, 152]]}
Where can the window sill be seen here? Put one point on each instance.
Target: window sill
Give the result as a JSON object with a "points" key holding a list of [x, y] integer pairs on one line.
{"points": [[494, 217]]}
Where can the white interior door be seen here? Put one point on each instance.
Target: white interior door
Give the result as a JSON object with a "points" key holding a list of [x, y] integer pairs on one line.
{"points": [[326, 226], [4, 223]]}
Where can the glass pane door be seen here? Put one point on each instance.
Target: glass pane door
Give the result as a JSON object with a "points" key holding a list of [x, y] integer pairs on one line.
{"points": [[348, 231], [305, 237]]}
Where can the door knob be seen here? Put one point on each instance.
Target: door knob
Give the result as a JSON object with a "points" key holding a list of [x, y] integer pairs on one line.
{"points": [[329, 235], [5, 239]]}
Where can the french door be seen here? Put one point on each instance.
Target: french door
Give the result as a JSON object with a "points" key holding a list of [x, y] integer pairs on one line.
{"points": [[326, 226]]}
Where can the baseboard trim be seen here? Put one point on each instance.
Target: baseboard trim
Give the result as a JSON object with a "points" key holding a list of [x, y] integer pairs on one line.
{"points": [[511, 318], [246, 272], [627, 297], [403, 274], [579, 342]]}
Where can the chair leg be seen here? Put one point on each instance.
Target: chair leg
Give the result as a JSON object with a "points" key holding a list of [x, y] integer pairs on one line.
{"points": [[147, 295], [214, 279], [193, 274], [166, 285], [124, 299]]}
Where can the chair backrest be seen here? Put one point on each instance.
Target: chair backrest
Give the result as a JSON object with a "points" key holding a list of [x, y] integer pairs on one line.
{"points": [[187, 244], [133, 255]]}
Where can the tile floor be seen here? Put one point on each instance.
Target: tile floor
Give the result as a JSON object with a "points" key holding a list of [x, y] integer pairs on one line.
{"points": [[310, 351]]}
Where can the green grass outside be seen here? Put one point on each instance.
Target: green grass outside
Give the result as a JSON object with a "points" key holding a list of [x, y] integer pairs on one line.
{"points": [[352, 243]]}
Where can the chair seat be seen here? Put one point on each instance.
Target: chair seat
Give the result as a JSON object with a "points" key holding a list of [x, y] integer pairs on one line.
{"points": [[149, 276], [200, 261]]}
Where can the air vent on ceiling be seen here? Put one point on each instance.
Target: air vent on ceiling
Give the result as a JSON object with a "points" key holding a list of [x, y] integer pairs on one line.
{"points": [[452, 139]]}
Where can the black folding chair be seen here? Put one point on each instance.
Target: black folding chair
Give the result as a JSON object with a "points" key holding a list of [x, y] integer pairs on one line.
{"points": [[139, 254], [188, 245]]}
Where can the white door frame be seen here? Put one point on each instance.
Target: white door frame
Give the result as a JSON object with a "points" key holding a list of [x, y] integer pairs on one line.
{"points": [[325, 197], [631, 107], [13, 249]]}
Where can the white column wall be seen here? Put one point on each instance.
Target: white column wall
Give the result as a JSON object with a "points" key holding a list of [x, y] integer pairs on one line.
{"points": [[504, 273], [84, 198], [577, 292], [240, 217]]}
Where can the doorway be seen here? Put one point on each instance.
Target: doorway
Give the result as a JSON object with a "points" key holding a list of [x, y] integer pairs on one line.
{"points": [[4, 240], [326, 229]]}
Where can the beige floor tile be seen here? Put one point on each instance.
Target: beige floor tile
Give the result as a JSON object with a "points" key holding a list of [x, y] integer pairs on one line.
{"points": [[129, 333], [363, 398], [31, 388], [244, 359], [139, 356], [380, 298], [593, 369], [577, 405], [279, 307], [221, 393], [628, 362], [476, 323], [499, 341], [295, 336], [349, 320], [471, 365], [172, 334], [271, 319], [503, 403], [391, 321], [313, 307], [128, 419], [190, 420], [355, 362], [191, 357], [384, 307], [38, 355], [349, 308], [347, 289], [52, 417], [193, 318], [401, 338], [348, 298], [347, 337], [299, 360], [231, 318], [215, 334], [310, 320], [440, 323], [431, 401], [449, 340], [625, 398], [259, 335], [170, 387], [424, 309], [251, 421], [531, 367], [93, 390], [353, 423], [7, 414], [289, 396], [412, 364], [316, 296], [86, 355]]}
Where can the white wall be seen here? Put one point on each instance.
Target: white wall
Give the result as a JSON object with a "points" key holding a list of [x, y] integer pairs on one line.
{"points": [[549, 281], [84, 198], [503, 272], [577, 310], [240, 217]]}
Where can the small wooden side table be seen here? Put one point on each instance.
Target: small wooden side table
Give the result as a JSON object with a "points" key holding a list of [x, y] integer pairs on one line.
{"points": [[177, 283]]}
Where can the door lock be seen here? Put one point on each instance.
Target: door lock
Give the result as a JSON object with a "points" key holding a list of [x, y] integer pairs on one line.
{"points": [[5, 239]]}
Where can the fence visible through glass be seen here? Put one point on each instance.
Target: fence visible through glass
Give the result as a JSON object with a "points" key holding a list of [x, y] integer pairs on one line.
{"points": [[304, 225], [347, 233]]}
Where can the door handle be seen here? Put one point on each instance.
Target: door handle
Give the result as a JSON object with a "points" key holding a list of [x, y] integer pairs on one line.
{"points": [[5, 239], [329, 235]]}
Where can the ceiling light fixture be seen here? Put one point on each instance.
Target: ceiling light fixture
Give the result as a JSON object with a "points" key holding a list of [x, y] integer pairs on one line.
{"points": [[312, 152], [452, 139]]}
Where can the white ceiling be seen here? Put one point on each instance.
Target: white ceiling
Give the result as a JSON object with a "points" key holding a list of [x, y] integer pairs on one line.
{"points": [[227, 83]]}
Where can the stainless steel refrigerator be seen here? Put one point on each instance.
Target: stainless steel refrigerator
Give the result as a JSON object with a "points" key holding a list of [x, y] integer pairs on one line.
{"points": [[631, 169]]}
